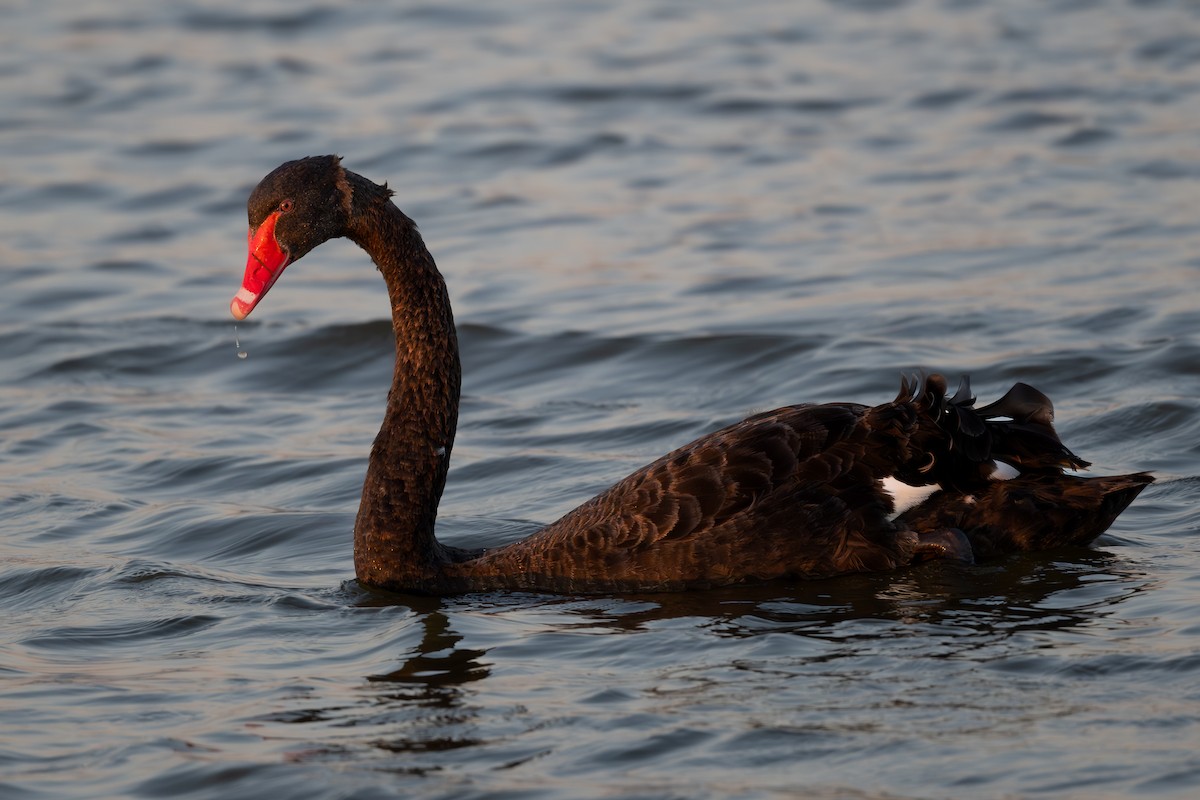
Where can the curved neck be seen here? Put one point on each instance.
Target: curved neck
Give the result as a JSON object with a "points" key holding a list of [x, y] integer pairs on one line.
{"points": [[394, 534]]}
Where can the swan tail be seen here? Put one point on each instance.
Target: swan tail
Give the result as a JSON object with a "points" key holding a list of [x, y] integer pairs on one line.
{"points": [[1030, 513]]}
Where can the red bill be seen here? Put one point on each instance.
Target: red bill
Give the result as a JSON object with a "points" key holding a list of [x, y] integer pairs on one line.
{"points": [[264, 265]]}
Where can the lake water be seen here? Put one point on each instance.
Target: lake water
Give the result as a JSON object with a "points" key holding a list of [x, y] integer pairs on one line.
{"points": [[654, 218]]}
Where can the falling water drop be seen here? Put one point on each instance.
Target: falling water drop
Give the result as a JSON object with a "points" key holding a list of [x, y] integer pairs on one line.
{"points": [[237, 343]]}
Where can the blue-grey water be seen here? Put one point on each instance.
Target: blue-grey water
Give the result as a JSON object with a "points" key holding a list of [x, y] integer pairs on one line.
{"points": [[654, 218]]}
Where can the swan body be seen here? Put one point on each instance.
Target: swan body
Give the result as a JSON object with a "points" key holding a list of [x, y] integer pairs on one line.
{"points": [[797, 492]]}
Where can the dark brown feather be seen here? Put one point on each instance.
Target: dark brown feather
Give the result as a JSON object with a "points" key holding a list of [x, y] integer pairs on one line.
{"points": [[790, 493]]}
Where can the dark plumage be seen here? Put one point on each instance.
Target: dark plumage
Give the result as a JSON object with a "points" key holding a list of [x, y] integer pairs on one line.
{"points": [[797, 492]]}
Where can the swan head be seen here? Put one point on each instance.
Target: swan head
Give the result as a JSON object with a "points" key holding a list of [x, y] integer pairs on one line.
{"points": [[296, 207]]}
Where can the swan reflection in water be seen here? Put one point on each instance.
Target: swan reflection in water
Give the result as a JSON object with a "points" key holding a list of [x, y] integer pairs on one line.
{"points": [[852, 645]]}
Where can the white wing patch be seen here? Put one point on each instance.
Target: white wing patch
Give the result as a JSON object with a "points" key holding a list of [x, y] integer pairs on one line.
{"points": [[905, 496]]}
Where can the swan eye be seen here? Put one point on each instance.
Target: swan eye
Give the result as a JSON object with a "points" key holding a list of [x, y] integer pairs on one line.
{"points": [[286, 206]]}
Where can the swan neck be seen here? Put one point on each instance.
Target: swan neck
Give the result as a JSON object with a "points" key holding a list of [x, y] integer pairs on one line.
{"points": [[394, 542]]}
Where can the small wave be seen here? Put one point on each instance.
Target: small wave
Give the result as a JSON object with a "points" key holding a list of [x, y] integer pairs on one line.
{"points": [[291, 23], [118, 635], [27, 586], [1023, 121]]}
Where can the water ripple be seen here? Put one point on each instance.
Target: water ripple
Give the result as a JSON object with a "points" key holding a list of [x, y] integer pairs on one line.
{"points": [[653, 219]]}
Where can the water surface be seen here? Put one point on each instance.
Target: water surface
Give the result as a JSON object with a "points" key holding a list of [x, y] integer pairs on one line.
{"points": [[654, 218]]}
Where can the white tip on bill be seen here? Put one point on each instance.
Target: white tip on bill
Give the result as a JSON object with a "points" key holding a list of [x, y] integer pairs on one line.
{"points": [[243, 301]]}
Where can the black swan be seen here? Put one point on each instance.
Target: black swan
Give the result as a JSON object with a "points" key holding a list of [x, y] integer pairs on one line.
{"points": [[804, 491]]}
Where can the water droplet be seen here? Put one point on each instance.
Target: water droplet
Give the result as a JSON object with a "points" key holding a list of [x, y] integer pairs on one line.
{"points": [[237, 343]]}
